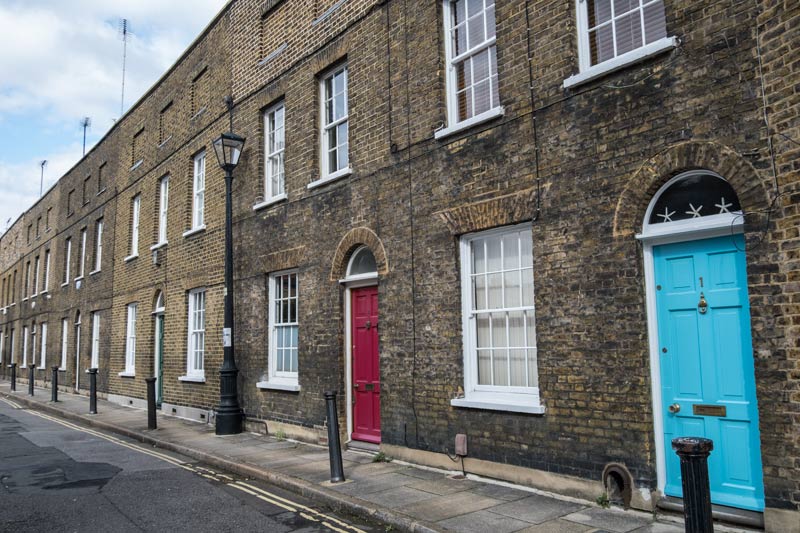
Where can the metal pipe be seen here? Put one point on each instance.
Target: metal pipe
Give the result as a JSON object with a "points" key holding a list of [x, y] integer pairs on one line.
{"points": [[151, 403], [13, 367], [693, 453], [54, 391], [31, 377], [92, 391], [334, 446]]}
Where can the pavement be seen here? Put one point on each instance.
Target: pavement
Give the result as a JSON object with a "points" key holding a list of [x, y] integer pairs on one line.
{"points": [[403, 497]]}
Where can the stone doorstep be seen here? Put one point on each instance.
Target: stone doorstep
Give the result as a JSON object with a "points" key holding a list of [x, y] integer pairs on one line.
{"points": [[335, 496]]}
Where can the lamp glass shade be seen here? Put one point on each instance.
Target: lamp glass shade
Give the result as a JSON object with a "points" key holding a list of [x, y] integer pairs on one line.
{"points": [[228, 148]]}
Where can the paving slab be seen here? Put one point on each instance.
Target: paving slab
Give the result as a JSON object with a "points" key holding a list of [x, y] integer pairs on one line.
{"points": [[501, 492], [393, 498], [483, 521], [537, 509], [379, 483], [444, 485], [444, 507], [660, 527], [559, 526], [611, 520]]}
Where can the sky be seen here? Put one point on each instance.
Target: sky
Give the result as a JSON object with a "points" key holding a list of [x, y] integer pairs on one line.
{"points": [[61, 61]]}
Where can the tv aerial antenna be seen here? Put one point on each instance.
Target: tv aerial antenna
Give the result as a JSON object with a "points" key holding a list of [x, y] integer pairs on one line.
{"points": [[124, 31], [85, 123]]}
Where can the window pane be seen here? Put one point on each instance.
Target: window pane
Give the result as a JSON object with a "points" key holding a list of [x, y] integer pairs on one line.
{"points": [[483, 331], [527, 286], [476, 30], [601, 44], [512, 288], [474, 6], [518, 371], [479, 298], [499, 330], [500, 366], [484, 367], [655, 23], [494, 262], [511, 251], [629, 33], [516, 329], [478, 257], [533, 372], [599, 12], [623, 6], [495, 291], [490, 23]]}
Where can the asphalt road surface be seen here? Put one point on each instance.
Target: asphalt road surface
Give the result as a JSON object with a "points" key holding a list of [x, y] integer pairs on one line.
{"points": [[56, 476]]}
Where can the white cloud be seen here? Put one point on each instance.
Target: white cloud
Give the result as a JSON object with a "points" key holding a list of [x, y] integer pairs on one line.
{"points": [[63, 60]]}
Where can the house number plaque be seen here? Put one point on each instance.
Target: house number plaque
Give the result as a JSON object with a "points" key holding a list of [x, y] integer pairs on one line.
{"points": [[709, 410]]}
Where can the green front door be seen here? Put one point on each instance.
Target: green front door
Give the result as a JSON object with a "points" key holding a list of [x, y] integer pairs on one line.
{"points": [[159, 360]]}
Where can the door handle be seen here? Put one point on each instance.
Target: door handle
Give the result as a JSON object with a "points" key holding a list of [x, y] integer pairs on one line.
{"points": [[355, 386], [702, 305], [674, 408]]}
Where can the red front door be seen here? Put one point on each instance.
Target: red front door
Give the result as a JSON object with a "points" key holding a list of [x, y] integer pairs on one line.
{"points": [[366, 372]]}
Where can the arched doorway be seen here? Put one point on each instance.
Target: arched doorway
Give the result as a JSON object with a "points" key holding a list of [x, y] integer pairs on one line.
{"points": [[158, 353], [361, 342], [701, 354]]}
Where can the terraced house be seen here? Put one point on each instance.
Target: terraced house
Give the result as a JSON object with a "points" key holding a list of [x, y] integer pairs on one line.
{"points": [[567, 229]]}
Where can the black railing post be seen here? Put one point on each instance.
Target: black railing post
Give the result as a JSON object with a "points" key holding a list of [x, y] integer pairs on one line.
{"points": [[693, 453], [151, 403], [92, 391], [13, 367], [334, 446], [54, 382], [31, 374]]}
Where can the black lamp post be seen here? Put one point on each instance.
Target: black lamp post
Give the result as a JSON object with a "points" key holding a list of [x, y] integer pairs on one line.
{"points": [[228, 148]]}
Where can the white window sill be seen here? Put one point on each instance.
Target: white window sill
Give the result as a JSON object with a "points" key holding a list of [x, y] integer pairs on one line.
{"points": [[93, 272], [131, 258], [158, 245], [62, 369], [192, 379], [165, 141], [619, 62], [330, 177], [137, 165], [26, 299], [269, 202], [194, 231], [79, 278], [523, 405], [273, 385], [65, 284], [127, 374], [470, 122], [200, 112]]}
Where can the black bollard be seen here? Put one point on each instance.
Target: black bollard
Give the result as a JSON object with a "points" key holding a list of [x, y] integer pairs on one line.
{"points": [[693, 453], [54, 392], [31, 376], [92, 391], [334, 446], [151, 403], [13, 367]]}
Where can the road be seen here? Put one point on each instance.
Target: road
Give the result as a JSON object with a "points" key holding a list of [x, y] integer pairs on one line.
{"points": [[56, 476]]}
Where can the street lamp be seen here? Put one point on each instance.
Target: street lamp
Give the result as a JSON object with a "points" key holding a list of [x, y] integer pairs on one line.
{"points": [[228, 148]]}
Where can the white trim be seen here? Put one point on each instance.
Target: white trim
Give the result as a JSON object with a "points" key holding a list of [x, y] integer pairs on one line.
{"points": [[132, 310], [192, 379], [158, 245], [330, 177], [163, 209], [93, 272], [486, 116], [193, 231], [325, 128], [136, 208], [198, 206], [286, 378], [193, 373], [496, 405], [127, 374], [274, 111], [349, 285], [620, 62], [271, 201], [131, 258], [136, 165], [656, 235], [274, 385]]}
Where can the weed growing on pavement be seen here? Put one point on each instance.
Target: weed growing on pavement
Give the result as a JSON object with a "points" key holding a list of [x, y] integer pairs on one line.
{"points": [[381, 457]]}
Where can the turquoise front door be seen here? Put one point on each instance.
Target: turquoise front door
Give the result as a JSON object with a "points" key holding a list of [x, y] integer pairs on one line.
{"points": [[707, 374]]}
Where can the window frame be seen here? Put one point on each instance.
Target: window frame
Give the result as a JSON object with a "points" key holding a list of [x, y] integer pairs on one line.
{"points": [[130, 340], [64, 343], [492, 397], [163, 206], [95, 351], [67, 259], [270, 195], [136, 211], [286, 378], [98, 246], [453, 125], [324, 128], [25, 334], [587, 71], [199, 194], [46, 282], [36, 273], [43, 345], [193, 373], [82, 262]]}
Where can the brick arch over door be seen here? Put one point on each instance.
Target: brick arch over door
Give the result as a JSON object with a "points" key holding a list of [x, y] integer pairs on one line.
{"points": [[357, 237], [644, 184]]}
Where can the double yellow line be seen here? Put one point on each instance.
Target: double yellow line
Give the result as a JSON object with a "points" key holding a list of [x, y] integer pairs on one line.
{"points": [[308, 513]]}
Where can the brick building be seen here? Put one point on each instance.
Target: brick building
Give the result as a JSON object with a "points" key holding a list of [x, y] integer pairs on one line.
{"points": [[565, 229]]}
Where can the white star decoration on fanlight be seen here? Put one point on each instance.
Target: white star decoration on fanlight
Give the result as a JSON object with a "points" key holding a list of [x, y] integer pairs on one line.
{"points": [[694, 211], [723, 207], [667, 216]]}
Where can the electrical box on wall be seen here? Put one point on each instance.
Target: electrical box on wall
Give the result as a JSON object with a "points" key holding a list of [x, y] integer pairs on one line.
{"points": [[461, 444]]}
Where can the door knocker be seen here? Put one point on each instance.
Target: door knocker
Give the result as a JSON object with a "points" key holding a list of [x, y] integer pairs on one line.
{"points": [[702, 306]]}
